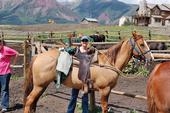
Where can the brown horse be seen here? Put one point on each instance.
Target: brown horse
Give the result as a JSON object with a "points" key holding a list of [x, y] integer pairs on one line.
{"points": [[42, 71], [158, 89]]}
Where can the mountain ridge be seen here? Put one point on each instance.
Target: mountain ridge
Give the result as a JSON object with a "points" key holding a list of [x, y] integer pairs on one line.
{"points": [[23, 12]]}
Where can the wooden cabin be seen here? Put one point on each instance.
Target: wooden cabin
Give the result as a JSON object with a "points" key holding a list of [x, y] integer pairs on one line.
{"points": [[156, 15], [89, 21]]}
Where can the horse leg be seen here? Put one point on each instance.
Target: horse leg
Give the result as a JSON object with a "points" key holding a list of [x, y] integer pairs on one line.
{"points": [[37, 98], [104, 99], [32, 99], [104, 104]]}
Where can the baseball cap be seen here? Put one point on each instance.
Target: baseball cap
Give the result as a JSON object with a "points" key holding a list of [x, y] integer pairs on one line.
{"points": [[85, 38]]}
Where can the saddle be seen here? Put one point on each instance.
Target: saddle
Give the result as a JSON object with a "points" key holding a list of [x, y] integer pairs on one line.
{"points": [[84, 64]]}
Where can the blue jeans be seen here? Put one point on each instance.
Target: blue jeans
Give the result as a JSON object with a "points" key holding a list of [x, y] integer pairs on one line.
{"points": [[73, 100], [4, 86]]}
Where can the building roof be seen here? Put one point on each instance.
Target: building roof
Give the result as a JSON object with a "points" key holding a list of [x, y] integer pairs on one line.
{"points": [[150, 6], [163, 7], [167, 5], [90, 19]]}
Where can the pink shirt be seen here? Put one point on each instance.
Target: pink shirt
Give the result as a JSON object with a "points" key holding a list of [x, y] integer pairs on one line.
{"points": [[5, 59]]}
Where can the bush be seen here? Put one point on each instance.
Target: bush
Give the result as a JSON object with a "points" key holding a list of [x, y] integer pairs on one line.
{"points": [[136, 68]]}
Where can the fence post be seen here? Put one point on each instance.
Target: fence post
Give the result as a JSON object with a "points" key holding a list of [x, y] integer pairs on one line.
{"points": [[25, 56], [149, 34], [32, 47], [92, 101], [51, 35], [119, 35], [2, 37]]}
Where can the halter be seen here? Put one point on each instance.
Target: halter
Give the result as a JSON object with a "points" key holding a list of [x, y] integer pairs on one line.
{"points": [[135, 47]]}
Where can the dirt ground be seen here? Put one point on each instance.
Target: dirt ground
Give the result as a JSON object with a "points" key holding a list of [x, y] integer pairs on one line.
{"points": [[56, 101]]}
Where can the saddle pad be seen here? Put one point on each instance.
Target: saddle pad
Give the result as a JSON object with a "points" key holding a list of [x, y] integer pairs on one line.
{"points": [[64, 62]]}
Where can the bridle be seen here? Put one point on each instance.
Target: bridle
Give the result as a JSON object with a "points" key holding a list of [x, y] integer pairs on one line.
{"points": [[136, 49]]}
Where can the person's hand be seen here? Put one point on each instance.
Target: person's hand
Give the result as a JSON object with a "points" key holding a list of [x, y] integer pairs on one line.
{"points": [[91, 50]]}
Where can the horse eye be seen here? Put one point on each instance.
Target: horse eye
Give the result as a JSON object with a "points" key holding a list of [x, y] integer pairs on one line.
{"points": [[142, 45]]}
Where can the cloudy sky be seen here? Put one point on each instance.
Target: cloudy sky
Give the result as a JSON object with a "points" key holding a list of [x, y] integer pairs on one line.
{"points": [[135, 1]]}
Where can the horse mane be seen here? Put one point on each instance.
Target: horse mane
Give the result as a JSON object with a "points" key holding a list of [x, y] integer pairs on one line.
{"points": [[112, 51]]}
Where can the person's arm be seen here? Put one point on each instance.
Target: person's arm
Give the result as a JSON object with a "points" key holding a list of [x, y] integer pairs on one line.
{"points": [[15, 58], [11, 53]]}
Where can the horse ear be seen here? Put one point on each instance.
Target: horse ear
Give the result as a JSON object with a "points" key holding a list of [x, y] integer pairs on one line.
{"points": [[134, 34]]}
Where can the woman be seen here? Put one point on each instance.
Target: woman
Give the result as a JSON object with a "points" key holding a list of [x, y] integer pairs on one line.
{"points": [[84, 54], [6, 53]]}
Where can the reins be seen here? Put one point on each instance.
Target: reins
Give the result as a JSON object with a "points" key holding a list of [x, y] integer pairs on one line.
{"points": [[111, 67]]}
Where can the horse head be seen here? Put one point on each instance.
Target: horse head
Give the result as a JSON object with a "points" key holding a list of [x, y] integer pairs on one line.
{"points": [[140, 48]]}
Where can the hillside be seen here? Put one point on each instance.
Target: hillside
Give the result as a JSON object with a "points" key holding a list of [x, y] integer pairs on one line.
{"points": [[34, 11], [20, 12], [106, 11]]}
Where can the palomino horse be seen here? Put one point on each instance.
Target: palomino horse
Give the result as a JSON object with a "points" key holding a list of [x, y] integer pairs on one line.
{"points": [[42, 71], [158, 89]]}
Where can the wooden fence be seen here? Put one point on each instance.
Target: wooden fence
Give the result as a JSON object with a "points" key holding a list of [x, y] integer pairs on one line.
{"points": [[28, 39]]}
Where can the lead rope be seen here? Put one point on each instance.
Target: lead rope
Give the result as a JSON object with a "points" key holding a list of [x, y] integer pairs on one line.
{"points": [[112, 67]]}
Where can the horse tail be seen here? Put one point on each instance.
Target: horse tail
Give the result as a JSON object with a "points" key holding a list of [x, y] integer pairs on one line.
{"points": [[28, 83], [152, 108]]}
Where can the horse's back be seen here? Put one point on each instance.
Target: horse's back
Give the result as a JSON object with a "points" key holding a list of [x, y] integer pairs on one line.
{"points": [[158, 89]]}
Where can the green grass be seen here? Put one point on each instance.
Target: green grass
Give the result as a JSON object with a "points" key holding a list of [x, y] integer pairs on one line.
{"points": [[15, 77], [125, 31]]}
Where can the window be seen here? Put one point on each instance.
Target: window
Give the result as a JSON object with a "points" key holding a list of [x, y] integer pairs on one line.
{"points": [[158, 20], [163, 13]]}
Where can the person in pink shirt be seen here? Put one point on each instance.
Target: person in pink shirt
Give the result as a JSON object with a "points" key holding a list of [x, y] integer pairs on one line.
{"points": [[7, 54]]}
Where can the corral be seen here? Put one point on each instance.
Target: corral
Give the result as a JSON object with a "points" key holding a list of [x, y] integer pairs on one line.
{"points": [[52, 102]]}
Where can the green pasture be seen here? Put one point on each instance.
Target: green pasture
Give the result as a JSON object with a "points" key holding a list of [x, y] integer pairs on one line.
{"points": [[114, 32]]}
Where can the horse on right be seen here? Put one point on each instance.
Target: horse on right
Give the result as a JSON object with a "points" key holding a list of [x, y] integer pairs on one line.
{"points": [[158, 89]]}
